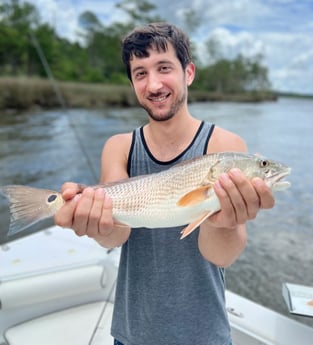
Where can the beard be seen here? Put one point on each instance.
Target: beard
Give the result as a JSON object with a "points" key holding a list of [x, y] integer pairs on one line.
{"points": [[160, 116]]}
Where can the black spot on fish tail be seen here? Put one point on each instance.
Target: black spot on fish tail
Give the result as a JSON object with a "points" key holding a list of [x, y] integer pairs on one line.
{"points": [[52, 197]]}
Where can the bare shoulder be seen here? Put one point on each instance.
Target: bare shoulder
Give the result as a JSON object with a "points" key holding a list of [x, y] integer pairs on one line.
{"points": [[115, 157], [224, 140], [120, 141]]}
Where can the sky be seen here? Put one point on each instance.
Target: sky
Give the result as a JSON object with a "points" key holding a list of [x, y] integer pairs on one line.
{"points": [[280, 30]]}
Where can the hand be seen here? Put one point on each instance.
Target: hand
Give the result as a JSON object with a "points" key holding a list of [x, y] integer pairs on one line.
{"points": [[240, 199], [87, 211]]}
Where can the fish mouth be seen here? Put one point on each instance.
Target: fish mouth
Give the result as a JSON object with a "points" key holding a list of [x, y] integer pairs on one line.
{"points": [[277, 181]]}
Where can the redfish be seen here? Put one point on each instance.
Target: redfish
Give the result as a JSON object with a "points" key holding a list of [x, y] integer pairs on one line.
{"points": [[181, 195]]}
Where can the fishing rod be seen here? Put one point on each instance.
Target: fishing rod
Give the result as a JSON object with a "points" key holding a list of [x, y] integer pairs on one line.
{"points": [[71, 123], [62, 102], [47, 69], [85, 154]]}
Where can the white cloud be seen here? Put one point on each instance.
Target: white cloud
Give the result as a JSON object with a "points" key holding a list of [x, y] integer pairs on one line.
{"points": [[63, 15], [302, 61], [295, 74], [233, 44], [281, 30], [290, 61]]}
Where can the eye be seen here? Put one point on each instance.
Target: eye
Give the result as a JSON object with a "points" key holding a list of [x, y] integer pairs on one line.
{"points": [[264, 163], [140, 75], [165, 69]]}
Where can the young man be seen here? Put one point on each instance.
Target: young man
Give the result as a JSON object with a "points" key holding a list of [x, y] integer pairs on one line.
{"points": [[169, 292]]}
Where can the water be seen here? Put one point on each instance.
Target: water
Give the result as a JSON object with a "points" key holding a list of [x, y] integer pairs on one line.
{"points": [[41, 149]]}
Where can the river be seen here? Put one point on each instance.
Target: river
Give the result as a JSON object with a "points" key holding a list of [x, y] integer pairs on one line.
{"points": [[46, 148]]}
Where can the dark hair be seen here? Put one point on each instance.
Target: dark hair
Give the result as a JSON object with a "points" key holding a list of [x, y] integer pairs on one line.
{"points": [[157, 36]]}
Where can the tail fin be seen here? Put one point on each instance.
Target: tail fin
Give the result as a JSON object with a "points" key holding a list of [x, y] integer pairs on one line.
{"points": [[29, 205]]}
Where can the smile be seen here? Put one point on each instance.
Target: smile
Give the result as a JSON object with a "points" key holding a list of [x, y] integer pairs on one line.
{"points": [[159, 98]]}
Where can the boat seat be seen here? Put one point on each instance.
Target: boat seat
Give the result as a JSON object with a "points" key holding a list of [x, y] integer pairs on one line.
{"points": [[71, 326], [44, 287]]}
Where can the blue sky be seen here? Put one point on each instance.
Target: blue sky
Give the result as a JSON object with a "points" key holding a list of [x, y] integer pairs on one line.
{"points": [[281, 30]]}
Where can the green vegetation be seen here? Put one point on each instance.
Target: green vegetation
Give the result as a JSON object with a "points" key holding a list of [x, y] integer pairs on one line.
{"points": [[294, 95], [24, 93], [91, 73]]}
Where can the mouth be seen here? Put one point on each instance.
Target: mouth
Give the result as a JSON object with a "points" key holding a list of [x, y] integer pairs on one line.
{"points": [[277, 181], [158, 98]]}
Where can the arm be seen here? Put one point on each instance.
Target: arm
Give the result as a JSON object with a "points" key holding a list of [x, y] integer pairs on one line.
{"points": [[88, 211], [223, 236]]}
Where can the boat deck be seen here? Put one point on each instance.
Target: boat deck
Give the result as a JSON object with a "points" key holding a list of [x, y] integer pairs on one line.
{"points": [[56, 288]]}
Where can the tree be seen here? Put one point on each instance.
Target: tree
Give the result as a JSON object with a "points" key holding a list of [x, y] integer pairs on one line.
{"points": [[139, 11], [103, 42], [214, 49], [16, 22], [98, 59], [102, 46], [22, 16], [192, 19]]}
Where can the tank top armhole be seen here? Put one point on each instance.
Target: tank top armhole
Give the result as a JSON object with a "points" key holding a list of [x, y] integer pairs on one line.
{"points": [[131, 149], [205, 148]]}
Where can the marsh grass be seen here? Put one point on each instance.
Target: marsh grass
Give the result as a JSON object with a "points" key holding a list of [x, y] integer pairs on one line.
{"points": [[25, 93]]}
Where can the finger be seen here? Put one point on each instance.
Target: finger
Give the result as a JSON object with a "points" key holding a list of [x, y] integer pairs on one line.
{"points": [[95, 213], [249, 196], [70, 189], [106, 220], [227, 209], [236, 198], [264, 192], [64, 217], [68, 185], [82, 211]]}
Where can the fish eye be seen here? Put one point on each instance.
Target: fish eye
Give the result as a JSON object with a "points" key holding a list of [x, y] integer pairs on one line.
{"points": [[52, 197], [264, 163]]}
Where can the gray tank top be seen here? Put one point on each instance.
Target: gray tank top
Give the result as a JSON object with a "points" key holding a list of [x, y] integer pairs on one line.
{"points": [[167, 293]]}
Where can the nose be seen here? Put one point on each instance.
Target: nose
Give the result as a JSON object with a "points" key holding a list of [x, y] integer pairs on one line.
{"points": [[154, 83]]}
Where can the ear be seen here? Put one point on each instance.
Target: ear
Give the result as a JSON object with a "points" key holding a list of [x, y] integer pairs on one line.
{"points": [[190, 73]]}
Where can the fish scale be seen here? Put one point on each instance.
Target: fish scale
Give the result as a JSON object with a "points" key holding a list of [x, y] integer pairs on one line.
{"points": [[181, 195]]}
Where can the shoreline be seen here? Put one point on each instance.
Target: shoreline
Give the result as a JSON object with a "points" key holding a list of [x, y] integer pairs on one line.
{"points": [[23, 94]]}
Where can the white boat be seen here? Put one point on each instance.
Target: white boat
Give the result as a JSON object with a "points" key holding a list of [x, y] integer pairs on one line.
{"points": [[57, 288]]}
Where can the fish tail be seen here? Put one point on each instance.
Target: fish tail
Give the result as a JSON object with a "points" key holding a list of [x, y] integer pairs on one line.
{"points": [[28, 206]]}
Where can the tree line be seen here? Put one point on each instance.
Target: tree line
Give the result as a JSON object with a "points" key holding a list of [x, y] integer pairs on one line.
{"points": [[96, 57]]}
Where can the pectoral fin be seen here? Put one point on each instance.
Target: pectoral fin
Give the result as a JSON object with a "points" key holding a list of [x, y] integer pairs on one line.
{"points": [[192, 226], [195, 196]]}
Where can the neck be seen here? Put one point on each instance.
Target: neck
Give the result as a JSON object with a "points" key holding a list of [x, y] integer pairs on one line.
{"points": [[166, 140]]}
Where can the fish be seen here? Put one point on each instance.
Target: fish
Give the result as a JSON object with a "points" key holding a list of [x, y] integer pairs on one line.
{"points": [[182, 195]]}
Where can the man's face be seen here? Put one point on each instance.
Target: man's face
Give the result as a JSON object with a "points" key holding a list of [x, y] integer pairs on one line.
{"points": [[160, 83]]}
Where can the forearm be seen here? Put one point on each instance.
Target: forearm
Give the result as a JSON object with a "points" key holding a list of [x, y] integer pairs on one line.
{"points": [[221, 246]]}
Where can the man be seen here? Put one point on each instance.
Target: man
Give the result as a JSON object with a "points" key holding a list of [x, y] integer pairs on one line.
{"points": [[169, 292]]}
